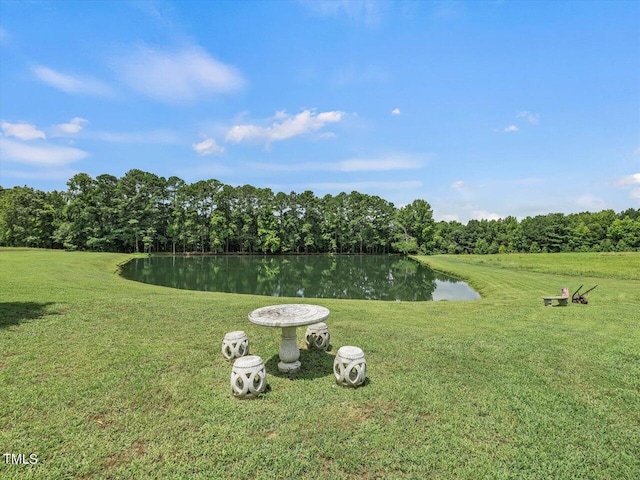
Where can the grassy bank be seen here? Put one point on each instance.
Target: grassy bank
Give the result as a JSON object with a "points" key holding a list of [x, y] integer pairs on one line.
{"points": [[105, 378]]}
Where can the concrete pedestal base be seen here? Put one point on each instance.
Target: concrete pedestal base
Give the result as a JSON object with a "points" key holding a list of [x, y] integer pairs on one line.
{"points": [[289, 351]]}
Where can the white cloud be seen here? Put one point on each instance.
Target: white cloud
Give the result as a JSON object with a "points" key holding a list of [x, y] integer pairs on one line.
{"points": [[42, 154], [208, 147], [629, 180], [177, 76], [484, 215], [590, 202], [72, 128], [389, 163], [532, 118], [395, 111], [285, 126], [23, 131], [328, 117], [446, 217], [632, 181], [70, 83], [457, 185]]}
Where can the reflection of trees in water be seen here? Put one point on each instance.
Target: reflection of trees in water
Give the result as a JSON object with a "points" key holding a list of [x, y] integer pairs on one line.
{"points": [[375, 277], [413, 280]]}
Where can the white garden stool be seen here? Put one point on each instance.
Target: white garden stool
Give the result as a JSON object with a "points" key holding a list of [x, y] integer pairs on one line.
{"points": [[317, 336], [350, 367], [235, 345], [248, 377]]}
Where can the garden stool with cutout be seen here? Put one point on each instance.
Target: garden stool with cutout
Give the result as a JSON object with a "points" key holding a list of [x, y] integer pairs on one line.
{"points": [[248, 377], [235, 345], [317, 336], [350, 366]]}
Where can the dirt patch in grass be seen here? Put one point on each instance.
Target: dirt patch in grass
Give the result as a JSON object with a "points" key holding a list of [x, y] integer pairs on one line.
{"points": [[136, 450]]}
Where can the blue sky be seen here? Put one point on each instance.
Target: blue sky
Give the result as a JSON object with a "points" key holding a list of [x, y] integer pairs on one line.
{"points": [[483, 108]]}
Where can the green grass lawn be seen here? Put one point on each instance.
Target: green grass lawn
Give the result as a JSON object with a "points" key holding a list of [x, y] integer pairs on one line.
{"points": [[101, 377]]}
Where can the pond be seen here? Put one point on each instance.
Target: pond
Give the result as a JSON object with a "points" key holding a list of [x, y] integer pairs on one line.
{"points": [[372, 277]]}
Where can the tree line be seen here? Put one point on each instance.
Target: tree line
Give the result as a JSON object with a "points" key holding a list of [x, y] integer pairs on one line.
{"points": [[142, 212]]}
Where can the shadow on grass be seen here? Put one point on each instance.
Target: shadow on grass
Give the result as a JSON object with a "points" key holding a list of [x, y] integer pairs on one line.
{"points": [[14, 313], [315, 364]]}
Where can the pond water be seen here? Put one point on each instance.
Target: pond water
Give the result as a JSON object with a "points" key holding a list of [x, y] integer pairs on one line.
{"points": [[372, 277]]}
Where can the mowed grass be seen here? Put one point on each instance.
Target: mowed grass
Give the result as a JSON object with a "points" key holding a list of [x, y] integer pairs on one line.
{"points": [[101, 377]]}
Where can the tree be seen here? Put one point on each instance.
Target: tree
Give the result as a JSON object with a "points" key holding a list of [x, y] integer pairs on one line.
{"points": [[416, 219], [335, 222], [105, 214], [267, 239], [29, 217], [222, 227], [140, 202], [143, 212], [79, 220], [175, 212], [625, 233], [482, 247], [310, 221]]}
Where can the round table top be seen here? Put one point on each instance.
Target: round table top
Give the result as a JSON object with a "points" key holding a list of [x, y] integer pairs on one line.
{"points": [[288, 315]]}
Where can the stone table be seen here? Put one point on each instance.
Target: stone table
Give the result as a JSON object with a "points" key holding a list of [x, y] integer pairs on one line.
{"points": [[288, 317]]}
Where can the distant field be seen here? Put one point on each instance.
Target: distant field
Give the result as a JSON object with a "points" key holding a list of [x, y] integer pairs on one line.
{"points": [[101, 377], [605, 265]]}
